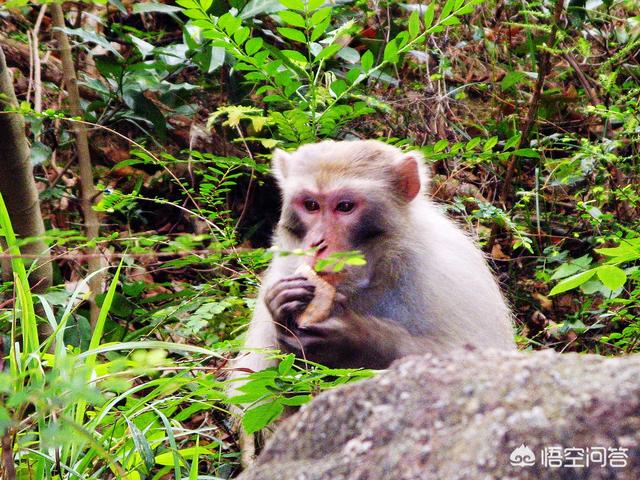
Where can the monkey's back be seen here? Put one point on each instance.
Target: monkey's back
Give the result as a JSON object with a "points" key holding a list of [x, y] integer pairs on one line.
{"points": [[464, 302]]}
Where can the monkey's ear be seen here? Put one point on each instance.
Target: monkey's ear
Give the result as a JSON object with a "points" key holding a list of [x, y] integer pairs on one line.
{"points": [[409, 177], [279, 167]]}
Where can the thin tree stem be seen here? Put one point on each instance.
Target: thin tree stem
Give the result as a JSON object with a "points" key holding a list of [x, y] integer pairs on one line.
{"points": [[88, 191]]}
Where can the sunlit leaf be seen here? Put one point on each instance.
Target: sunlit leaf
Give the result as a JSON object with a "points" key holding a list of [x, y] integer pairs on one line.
{"points": [[572, 282], [613, 277]]}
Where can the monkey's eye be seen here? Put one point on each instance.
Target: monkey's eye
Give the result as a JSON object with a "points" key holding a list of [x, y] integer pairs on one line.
{"points": [[345, 206], [311, 205]]}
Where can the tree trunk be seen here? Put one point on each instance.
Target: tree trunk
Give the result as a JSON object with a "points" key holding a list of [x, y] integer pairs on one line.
{"points": [[88, 191], [17, 185]]}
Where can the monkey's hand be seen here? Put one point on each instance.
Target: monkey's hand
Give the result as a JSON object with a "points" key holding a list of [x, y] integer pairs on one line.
{"points": [[287, 299], [342, 340]]}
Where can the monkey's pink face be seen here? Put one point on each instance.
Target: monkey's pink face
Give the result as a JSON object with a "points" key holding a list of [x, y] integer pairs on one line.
{"points": [[331, 222], [329, 219]]}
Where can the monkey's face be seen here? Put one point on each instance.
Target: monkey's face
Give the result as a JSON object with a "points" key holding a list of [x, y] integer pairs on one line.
{"points": [[342, 220], [345, 196]]}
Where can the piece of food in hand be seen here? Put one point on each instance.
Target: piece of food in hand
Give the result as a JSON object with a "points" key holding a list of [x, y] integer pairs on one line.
{"points": [[320, 307]]}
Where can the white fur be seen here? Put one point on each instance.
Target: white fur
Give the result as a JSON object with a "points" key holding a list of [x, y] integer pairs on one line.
{"points": [[465, 305]]}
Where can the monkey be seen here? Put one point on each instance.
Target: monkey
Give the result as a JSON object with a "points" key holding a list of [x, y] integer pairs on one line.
{"points": [[425, 287]]}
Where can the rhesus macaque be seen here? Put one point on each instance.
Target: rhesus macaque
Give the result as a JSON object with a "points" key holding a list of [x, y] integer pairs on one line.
{"points": [[425, 287]]}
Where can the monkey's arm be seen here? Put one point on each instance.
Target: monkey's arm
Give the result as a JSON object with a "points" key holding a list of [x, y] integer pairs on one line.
{"points": [[344, 339], [349, 340], [260, 335]]}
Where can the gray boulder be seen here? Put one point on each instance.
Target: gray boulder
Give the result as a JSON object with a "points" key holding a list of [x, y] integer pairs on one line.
{"points": [[471, 415]]}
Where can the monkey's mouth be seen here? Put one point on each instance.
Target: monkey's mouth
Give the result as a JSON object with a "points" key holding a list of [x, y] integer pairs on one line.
{"points": [[332, 278], [346, 282]]}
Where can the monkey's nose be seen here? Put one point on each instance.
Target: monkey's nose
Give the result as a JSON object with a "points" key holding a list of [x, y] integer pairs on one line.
{"points": [[320, 245]]}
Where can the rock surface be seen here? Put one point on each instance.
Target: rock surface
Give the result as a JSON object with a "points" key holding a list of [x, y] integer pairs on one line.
{"points": [[462, 416]]}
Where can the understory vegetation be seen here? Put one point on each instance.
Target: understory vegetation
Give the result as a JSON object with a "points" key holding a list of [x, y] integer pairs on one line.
{"points": [[117, 320]]}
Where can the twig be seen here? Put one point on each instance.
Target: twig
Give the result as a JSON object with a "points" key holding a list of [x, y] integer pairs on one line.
{"points": [[9, 468], [61, 172], [88, 191], [582, 78], [249, 187], [543, 71], [525, 129], [85, 256], [37, 66]]}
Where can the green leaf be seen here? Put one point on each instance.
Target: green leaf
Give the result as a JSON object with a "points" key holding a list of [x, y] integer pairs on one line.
{"points": [[440, 145], [572, 282], [328, 52], [141, 445], [428, 15], [320, 15], [391, 52], [489, 144], [145, 48], [253, 45], [241, 35], [168, 459], [446, 10], [295, 55], [473, 143], [357, 261], [293, 4], [366, 61], [338, 87], [565, 270], [526, 152], [108, 66], [611, 276], [512, 142], [292, 34], [196, 14], [297, 400], [414, 24], [320, 29], [447, 22], [293, 18], [259, 417], [88, 36], [353, 75], [511, 79], [286, 363], [146, 109], [623, 250], [182, 3]]}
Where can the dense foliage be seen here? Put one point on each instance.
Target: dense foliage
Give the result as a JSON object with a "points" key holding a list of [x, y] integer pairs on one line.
{"points": [[528, 114]]}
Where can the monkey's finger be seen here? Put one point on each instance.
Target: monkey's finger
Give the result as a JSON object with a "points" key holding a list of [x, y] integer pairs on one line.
{"points": [[289, 295], [340, 298], [286, 284], [324, 329], [302, 345], [274, 303], [339, 305], [285, 314]]}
